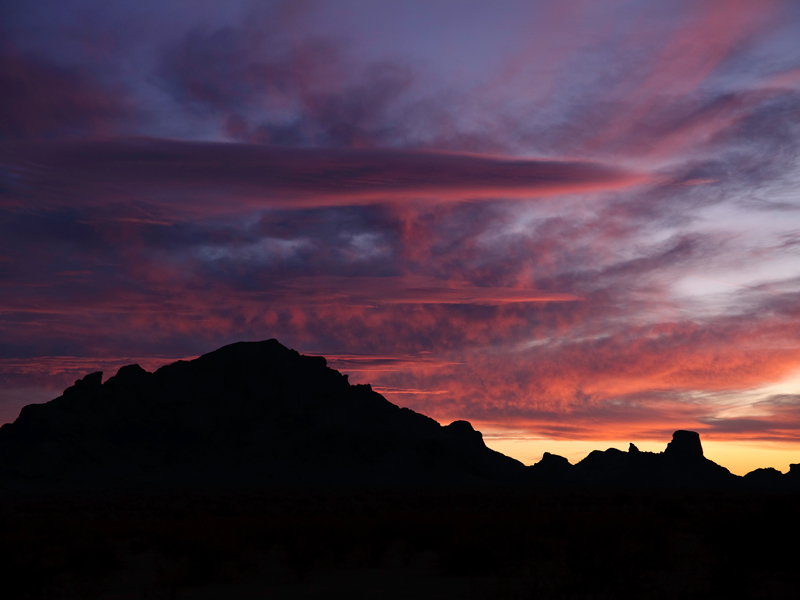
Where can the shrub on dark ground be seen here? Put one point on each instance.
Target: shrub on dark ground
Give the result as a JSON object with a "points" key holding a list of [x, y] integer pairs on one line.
{"points": [[506, 543]]}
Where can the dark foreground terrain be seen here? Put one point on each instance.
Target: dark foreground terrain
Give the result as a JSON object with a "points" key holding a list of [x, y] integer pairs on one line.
{"points": [[255, 472], [487, 542]]}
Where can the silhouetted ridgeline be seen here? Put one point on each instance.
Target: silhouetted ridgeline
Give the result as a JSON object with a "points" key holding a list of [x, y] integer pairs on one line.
{"points": [[259, 412], [681, 465], [251, 412]]}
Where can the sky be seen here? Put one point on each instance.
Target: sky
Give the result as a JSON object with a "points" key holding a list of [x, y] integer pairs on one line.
{"points": [[575, 224]]}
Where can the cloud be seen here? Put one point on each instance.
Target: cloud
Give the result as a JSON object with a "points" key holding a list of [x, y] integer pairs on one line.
{"points": [[269, 89], [775, 417], [710, 35], [372, 363], [408, 290], [43, 101], [257, 176]]}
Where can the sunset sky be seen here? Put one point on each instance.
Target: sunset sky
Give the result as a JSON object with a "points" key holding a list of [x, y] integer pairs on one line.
{"points": [[573, 223]]}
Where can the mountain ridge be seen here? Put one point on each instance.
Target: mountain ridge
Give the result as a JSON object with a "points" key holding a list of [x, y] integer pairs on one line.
{"points": [[259, 412], [253, 411]]}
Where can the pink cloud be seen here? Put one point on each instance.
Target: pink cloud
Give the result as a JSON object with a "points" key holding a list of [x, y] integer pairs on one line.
{"points": [[254, 176], [407, 290]]}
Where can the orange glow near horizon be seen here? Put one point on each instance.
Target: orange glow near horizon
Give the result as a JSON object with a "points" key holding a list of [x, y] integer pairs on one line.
{"points": [[738, 457]]}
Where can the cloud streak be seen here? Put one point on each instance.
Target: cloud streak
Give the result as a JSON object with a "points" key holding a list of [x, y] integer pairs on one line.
{"points": [[261, 176], [408, 290]]}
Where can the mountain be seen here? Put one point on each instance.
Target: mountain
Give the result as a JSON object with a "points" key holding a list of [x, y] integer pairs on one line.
{"points": [[682, 464], [250, 411], [260, 413]]}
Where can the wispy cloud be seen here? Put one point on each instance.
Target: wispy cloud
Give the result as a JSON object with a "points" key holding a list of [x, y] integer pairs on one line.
{"points": [[408, 290]]}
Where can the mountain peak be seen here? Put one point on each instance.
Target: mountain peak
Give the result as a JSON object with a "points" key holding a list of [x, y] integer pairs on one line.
{"points": [[685, 446], [249, 411]]}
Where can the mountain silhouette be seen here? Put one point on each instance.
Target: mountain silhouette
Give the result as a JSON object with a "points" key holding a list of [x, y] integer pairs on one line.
{"points": [[259, 412], [682, 464], [250, 411]]}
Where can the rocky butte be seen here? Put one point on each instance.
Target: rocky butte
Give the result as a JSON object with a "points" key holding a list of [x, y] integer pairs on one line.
{"points": [[260, 413]]}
